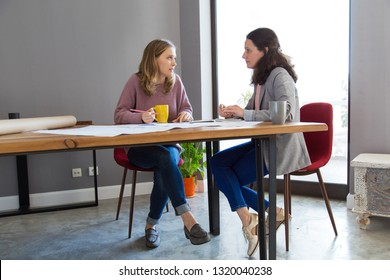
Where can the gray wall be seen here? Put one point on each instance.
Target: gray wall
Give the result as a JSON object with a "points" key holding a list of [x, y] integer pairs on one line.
{"points": [[74, 57], [369, 78]]}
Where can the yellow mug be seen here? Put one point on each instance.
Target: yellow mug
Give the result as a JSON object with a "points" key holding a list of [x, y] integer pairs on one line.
{"points": [[162, 113]]}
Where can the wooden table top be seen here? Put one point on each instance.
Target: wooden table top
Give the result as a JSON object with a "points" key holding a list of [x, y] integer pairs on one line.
{"points": [[31, 142]]}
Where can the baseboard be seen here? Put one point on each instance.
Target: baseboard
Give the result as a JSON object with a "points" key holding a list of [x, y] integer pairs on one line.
{"points": [[308, 188], [350, 201], [48, 199]]}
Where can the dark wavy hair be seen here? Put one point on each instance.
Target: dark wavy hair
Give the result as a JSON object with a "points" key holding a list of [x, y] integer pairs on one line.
{"points": [[266, 40]]}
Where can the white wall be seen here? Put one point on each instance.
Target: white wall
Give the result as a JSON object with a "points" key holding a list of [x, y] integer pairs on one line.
{"points": [[369, 78]]}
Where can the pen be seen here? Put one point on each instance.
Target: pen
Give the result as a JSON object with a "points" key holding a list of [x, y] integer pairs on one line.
{"points": [[139, 111]]}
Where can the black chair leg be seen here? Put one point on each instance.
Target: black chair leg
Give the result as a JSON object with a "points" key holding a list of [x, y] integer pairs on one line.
{"points": [[121, 193]]}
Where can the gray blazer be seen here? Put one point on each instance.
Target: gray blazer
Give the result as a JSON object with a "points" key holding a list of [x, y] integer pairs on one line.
{"points": [[291, 149]]}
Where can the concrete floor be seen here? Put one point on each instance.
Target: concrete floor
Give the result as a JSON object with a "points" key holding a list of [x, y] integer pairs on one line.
{"points": [[94, 234]]}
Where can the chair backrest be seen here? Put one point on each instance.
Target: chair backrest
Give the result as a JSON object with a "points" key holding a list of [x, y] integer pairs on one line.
{"points": [[319, 144]]}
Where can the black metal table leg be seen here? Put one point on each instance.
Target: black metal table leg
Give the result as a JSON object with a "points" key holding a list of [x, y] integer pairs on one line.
{"points": [[272, 198], [260, 197], [213, 192]]}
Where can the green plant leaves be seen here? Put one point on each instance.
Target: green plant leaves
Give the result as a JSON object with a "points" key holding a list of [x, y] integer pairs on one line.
{"points": [[192, 154]]}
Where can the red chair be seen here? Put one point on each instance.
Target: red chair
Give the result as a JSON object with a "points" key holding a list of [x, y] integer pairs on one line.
{"points": [[319, 145], [120, 156]]}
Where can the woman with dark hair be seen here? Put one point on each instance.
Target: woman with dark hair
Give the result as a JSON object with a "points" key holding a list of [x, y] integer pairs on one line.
{"points": [[234, 169], [156, 83]]}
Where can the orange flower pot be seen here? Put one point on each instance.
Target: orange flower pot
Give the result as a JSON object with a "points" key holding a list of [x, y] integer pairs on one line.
{"points": [[189, 186]]}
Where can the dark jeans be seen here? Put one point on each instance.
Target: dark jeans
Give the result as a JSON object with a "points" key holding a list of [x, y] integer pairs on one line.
{"points": [[234, 169], [168, 181]]}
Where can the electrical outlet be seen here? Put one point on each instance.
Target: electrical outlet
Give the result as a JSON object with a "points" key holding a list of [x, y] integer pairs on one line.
{"points": [[91, 171], [76, 172]]}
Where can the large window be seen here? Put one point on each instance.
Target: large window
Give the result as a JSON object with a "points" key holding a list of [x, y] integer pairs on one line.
{"points": [[316, 35]]}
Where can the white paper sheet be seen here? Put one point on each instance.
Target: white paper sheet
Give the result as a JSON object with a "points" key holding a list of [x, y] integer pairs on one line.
{"points": [[115, 130]]}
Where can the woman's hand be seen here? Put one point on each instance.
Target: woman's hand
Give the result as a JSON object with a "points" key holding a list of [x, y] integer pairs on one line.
{"points": [[149, 116], [183, 117], [230, 111], [222, 113]]}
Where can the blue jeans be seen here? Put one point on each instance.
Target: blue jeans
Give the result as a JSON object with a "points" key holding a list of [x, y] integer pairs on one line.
{"points": [[168, 181], [234, 169]]}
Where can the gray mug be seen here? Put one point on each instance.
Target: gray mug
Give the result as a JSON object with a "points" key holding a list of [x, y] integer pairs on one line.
{"points": [[278, 110]]}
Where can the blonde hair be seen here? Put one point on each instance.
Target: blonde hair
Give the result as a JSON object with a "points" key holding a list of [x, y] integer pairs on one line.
{"points": [[148, 71]]}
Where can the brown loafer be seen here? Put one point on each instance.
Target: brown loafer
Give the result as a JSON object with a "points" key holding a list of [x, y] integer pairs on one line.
{"points": [[197, 235]]}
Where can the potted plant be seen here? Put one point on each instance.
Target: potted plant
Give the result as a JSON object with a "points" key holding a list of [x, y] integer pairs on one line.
{"points": [[192, 155]]}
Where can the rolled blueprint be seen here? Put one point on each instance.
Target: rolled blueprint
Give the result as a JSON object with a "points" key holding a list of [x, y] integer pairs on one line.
{"points": [[30, 124]]}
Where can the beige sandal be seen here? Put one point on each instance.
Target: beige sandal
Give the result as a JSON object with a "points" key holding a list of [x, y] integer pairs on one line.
{"points": [[279, 219], [253, 239]]}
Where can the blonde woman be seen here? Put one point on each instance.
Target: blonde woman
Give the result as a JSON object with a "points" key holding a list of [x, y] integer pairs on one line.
{"points": [[156, 83]]}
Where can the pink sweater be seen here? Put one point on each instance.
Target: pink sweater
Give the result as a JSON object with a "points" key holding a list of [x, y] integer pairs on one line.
{"points": [[134, 97]]}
